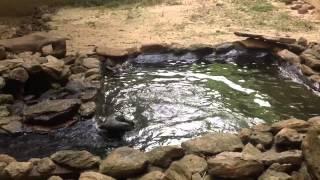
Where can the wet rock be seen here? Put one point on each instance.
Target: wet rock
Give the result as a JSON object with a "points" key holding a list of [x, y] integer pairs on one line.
{"points": [[88, 109], [186, 167], [54, 67], [55, 178], [124, 162], [288, 137], [94, 176], [19, 74], [250, 152], [289, 56], [310, 148], [51, 111], [94, 77], [213, 143], [274, 175], [293, 157], [311, 59], [264, 138], [164, 155], [231, 165], [224, 47], [306, 70], [116, 123], [75, 159], [297, 124], [91, 63], [245, 134], [154, 175], [45, 166], [4, 158], [18, 170]]}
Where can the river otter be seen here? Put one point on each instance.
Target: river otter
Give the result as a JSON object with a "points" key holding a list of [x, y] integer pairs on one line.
{"points": [[116, 123]]}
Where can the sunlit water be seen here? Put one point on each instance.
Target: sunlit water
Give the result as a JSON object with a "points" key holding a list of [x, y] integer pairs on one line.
{"points": [[172, 102]]}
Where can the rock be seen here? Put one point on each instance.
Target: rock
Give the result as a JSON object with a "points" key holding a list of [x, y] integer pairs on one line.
{"points": [[224, 47], [250, 152], [186, 167], [154, 48], [124, 162], [297, 124], [231, 165], [75, 159], [154, 175], [284, 40], [264, 138], [18, 170], [311, 59], [296, 6], [76, 69], [45, 166], [303, 10], [2, 166], [112, 52], [314, 121], [55, 178], [19, 74], [94, 77], [88, 95], [213, 143], [7, 65], [311, 153], [289, 56], [303, 173], [164, 155], [314, 78], [91, 63], [262, 128], [3, 53], [6, 99], [288, 138], [2, 83], [245, 134], [281, 167], [4, 112], [7, 159], [255, 44], [13, 127], [88, 109], [94, 176], [51, 111], [54, 67], [306, 70], [93, 71], [274, 175], [302, 41], [293, 157]]}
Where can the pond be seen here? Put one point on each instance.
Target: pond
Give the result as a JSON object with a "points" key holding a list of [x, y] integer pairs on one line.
{"points": [[173, 98]]}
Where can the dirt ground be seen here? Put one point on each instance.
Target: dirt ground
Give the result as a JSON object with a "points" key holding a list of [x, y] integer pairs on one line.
{"points": [[182, 21]]}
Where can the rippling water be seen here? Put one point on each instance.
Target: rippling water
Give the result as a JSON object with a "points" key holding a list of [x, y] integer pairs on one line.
{"points": [[174, 101]]}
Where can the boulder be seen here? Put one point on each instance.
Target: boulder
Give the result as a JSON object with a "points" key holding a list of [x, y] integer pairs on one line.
{"points": [[311, 153], [163, 156], [250, 152], [91, 63], [231, 165], [75, 159], [314, 121], [4, 158], [154, 48], [88, 109], [297, 124], [213, 143], [289, 56], [154, 175], [261, 128], [54, 67], [124, 162], [51, 111], [76, 69], [289, 138], [311, 59], [19, 74], [264, 138], [18, 170], [112, 52], [274, 175], [177, 171], [293, 157], [45, 166], [94, 176], [255, 44]]}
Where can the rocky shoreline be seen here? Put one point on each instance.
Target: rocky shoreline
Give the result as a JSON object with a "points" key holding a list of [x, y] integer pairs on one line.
{"points": [[43, 89]]}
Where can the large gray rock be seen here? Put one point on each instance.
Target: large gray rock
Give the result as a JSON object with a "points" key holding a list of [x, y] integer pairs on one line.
{"points": [[231, 165], [18, 170], [310, 148], [75, 159], [297, 124], [274, 175], [163, 156], [51, 111], [94, 176], [286, 157], [213, 143], [124, 162]]}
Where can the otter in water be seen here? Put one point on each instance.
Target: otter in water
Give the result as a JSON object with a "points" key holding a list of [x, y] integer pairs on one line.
{"points": [[116, 123]]}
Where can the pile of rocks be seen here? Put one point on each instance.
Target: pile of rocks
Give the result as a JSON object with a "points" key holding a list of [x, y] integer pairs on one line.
{"points": [[41, 88], [288, 149], [301, 6]]}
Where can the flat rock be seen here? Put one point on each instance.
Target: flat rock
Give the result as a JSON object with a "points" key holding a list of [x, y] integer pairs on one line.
{"points": [[75, 159], [18, 170], [112, 52], [297, 124], [310, 148], [289, 56], [231, 165], [286, 157], [164, 155], [274, 175], [124, 162], [213, 143], [154, 48], [266, 38], [251, 43], [51, 111], [288, 137], [94, 176]]}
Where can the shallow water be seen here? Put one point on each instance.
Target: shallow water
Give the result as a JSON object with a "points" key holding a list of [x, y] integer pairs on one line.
{"points": [[172, 101]]}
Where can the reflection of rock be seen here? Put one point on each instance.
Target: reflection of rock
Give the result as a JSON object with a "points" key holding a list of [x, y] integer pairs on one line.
{"points": [[116, 123]]}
